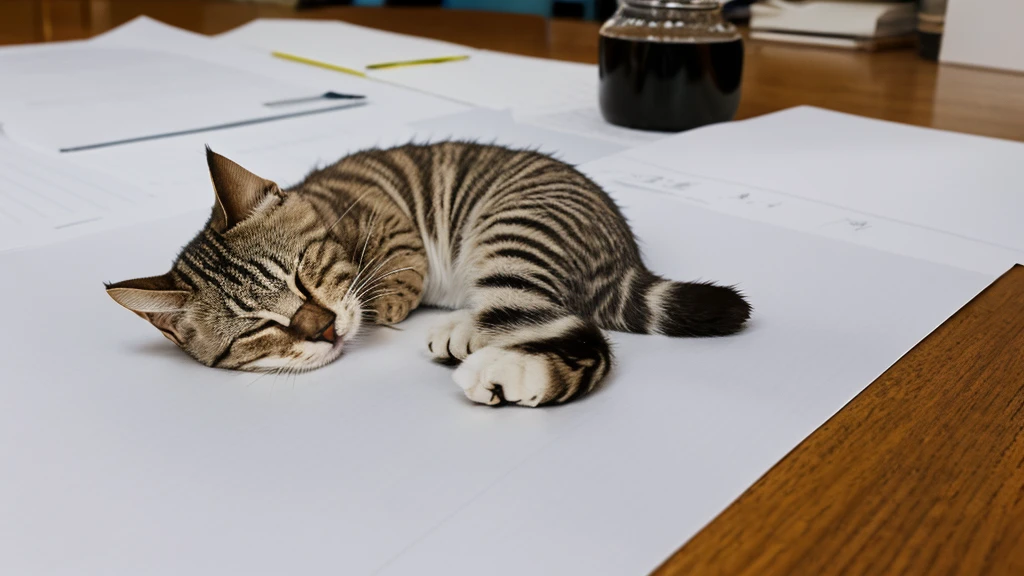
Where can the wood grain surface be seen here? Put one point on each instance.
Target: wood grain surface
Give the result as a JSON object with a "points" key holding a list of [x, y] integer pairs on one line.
{"points": [[922, 473]]}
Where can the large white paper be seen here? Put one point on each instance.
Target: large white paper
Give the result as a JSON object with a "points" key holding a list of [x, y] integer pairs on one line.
{"points": [[126, 457], [949, 198], [986, 35]]}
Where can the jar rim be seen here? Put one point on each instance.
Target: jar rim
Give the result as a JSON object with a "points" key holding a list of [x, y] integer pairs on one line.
{"points": [[675, 4]]}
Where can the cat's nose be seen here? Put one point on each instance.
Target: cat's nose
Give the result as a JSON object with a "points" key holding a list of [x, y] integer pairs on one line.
{"points": [[313, 322]]}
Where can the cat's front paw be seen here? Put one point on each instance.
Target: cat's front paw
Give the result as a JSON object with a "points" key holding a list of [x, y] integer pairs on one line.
{"points": [[454, 338], [495, 376], [391, 309]]}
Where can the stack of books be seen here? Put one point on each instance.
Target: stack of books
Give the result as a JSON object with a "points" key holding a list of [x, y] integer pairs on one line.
{"points": [[837, 23]]}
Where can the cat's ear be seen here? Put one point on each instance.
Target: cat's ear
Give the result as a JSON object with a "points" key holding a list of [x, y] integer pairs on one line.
{"points": [[239, 193], [155, 299]]}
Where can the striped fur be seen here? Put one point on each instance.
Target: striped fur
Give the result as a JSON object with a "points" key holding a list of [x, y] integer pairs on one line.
{"points": [[535, 258]]}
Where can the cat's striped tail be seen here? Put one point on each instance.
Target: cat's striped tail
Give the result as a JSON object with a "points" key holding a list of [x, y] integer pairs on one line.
{"points": [[648, 304]]}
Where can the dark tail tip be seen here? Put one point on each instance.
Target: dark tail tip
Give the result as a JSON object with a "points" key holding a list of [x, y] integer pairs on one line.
{"points": [[702, 309]]}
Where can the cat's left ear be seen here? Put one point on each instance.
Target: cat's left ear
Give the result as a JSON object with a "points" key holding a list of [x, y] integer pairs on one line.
{"points": [[156, 299], [239, 193]]}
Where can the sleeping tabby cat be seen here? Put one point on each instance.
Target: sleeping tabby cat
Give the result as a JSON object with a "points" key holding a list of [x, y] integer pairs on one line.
{"points": [[534, 257]]}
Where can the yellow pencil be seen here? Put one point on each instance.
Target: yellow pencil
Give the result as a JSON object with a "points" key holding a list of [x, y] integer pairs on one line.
{"points": [[317, 63], [416, 62]]}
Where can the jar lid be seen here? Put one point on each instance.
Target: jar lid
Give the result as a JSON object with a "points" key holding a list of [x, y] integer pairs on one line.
{"points": [[675, 4]]}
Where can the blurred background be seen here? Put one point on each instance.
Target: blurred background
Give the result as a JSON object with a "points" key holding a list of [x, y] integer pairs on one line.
{"points": [[875, 59], [47, 20]]}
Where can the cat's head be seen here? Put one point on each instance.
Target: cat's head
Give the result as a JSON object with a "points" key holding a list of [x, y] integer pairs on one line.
{"points": [[234, 297]]}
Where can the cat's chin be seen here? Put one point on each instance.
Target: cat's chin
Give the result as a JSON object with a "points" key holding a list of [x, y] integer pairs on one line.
{"points": [[337, 349], [321, 359]]}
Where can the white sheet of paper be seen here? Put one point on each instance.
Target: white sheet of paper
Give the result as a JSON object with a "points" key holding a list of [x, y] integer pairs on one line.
{"points": [[147, 78], [550, 94], [587, 121], [175, 169], [810, 216], [44, 199], [338, 43], [985, 35], [393, 103], [499, 127], [489, 79], [80, 94], [527, 86], [126, 457], [949, 198]]}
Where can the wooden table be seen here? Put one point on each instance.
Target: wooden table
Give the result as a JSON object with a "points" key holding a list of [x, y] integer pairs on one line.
{"points": [[922, 473]]}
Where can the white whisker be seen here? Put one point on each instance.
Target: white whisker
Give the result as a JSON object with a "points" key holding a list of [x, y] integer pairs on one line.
{"points": [[359, 267], [370, 277], [379, 279], [376, 297], [347, 210]]}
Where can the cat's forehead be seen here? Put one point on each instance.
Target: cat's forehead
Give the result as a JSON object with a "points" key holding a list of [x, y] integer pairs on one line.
{"points": [[240, 270], [238, 246]]}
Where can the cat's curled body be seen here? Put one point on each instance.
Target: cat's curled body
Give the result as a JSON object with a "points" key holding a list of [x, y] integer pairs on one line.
{"points": [[534, 257]]}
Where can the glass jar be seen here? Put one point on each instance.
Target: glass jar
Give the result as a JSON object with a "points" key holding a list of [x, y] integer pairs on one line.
{"points": [[669, 65], [931, 19]]}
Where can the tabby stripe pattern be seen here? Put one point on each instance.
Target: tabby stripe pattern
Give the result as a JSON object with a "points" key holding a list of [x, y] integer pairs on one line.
{"points": [[540, 255], [535, 259]]}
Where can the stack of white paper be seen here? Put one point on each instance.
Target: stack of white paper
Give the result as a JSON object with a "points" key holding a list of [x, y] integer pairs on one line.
{"points": [[833, 22], [834, 18]]}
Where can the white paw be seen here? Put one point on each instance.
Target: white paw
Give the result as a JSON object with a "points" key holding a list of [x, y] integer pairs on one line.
{"points": [[454, 338], [523, 378]]}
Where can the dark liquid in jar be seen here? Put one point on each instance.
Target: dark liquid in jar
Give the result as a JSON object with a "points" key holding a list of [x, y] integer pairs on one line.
{"points": [[669, 86]]}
